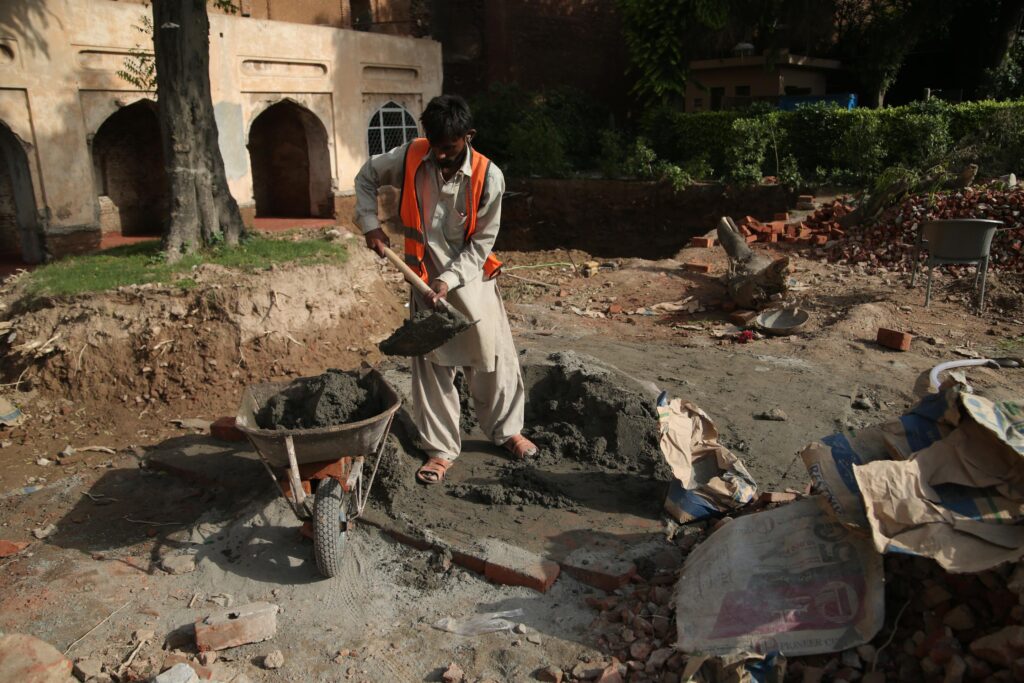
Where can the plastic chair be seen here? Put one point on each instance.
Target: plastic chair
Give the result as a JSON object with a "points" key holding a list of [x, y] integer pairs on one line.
{"points": [[966, 241]]}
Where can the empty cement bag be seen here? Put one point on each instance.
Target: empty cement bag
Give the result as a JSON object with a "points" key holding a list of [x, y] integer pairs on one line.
{"points": [[709, 479], [791, 580]]}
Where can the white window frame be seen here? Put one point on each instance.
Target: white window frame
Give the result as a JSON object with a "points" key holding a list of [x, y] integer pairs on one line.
{"points": [[409, 129]]}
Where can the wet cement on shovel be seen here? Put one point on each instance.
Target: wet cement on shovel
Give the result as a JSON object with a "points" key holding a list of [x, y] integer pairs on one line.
{"points": [[424, 332]]}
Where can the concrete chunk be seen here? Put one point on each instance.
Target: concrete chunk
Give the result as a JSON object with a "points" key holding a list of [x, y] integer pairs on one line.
{"points": [[252, 623], [179, 673]]}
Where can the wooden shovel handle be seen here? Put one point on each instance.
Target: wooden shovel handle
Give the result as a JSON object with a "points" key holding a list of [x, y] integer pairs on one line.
{"points": [[412, 278]]}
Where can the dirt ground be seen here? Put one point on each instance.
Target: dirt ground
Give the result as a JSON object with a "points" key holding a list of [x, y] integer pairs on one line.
{"points": [[162, 490]]}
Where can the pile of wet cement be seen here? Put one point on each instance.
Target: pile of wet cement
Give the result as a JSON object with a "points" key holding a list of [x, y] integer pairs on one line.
{"points": [[333, 398], [424, 332], [579, 410]]}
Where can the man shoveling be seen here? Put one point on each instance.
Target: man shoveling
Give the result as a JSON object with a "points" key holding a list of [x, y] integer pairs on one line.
{"points": [[451, 213]]}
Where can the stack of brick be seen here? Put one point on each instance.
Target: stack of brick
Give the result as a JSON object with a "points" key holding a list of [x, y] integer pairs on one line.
{"points": [[890, 240]]}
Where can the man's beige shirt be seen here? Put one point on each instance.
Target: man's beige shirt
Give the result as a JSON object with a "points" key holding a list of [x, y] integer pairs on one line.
{"points": [[449, 257]]}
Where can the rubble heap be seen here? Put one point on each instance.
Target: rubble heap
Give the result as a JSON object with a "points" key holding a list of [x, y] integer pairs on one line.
{"points": [[889, 241]]}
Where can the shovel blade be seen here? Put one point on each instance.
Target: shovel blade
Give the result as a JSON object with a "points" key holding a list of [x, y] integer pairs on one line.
{"points": [[425, 332]]}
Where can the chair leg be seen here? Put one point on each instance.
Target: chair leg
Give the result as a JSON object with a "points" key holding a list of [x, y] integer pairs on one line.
{"points": [[928, 290], [983, 267], [917, 263]]}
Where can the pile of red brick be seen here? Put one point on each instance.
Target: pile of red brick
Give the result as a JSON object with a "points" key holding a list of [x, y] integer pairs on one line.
{"points": [[890, 240], [817, 233]]}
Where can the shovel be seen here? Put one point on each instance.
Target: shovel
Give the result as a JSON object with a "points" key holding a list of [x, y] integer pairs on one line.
{"points": [[428, 329]]}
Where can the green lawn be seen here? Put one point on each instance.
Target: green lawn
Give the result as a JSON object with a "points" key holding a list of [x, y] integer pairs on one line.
{"points": [[143, 263]]}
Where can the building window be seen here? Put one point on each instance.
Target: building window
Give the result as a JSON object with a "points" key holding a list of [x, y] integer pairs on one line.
{"points": [[698, 103], [391, 126], [742, 91], [362, 14]]}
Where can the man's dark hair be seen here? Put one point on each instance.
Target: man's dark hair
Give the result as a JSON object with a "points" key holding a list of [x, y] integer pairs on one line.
{"points": [[446, 117]]}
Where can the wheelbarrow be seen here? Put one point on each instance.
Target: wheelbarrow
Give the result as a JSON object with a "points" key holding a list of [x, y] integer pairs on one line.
{"points": [[326, 465]]}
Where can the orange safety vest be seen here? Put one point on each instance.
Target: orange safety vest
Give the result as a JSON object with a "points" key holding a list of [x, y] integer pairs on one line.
{"points": [[415, 240]]}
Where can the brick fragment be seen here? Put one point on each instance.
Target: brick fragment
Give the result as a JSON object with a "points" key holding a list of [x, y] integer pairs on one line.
{"points": [[742, 317], [224, 428], [252, 623], [702, 242], [782, 216], [600, 570], [697, 267], [893, 339], [750, 238], [819, 240], [767, 497], [513, 566]]}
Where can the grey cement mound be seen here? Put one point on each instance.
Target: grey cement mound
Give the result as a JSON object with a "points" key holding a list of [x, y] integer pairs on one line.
{"points": [[424, 332], [518, 484], [580, 410], [333, 398]]}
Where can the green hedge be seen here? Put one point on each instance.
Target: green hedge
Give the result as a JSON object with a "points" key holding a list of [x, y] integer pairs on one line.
{"points": [[825, 143]]}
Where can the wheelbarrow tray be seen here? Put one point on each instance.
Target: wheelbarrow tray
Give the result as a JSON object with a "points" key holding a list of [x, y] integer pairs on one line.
{"points": [[362, 438]]}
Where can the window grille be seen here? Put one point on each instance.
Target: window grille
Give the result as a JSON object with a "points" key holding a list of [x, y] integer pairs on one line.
{"points": [[390, 126]]}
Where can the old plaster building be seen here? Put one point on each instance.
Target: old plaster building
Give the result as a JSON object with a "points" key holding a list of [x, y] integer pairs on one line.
{"points": [[301, 101]]}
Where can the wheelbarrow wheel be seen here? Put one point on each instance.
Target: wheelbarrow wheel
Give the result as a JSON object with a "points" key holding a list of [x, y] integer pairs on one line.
{"points": [[329, 526]]}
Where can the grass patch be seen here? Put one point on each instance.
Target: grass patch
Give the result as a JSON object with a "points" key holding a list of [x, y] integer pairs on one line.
{"points": [[143, 263]]}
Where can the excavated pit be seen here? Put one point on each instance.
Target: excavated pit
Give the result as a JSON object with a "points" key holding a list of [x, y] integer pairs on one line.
{"points": [[333, 398]]}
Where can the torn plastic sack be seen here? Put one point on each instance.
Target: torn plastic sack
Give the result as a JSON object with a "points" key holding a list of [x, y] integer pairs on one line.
{"points": [[479, 623], [790, 580], [709, 479], [745, 667], [10, 414]]}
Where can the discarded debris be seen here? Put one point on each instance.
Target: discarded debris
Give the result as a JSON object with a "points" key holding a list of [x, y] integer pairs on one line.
{"points": [[273, 660], [178, 564], [179, 673], [252, 623], [27, 658], [8, 548], [192, 423], [10, 414], [481, 623], [738, 594], [44, 531], [453, 674], [773, 415], [709, 478]]}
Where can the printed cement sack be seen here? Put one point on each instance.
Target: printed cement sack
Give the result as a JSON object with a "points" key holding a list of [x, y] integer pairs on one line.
{"points": [[790, 580], [831, 461], [960, 500], [944, 481], [709, 479]]}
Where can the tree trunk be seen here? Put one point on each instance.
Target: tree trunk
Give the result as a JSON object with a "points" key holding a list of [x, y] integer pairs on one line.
{"points": [[1011, 14], [202, 209]]}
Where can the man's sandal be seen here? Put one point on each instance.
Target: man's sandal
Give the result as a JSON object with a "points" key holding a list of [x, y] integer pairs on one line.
{"points": [[433, 471], [520, 447]]}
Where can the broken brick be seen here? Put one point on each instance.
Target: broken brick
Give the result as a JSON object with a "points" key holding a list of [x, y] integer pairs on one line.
{"points": [[224, 428], [742, 317], [607, 572], [783, 216], [252, 623], [8, 548], [702, 242], [893, 339], [512, 566], [767, 497], [697, 267]]}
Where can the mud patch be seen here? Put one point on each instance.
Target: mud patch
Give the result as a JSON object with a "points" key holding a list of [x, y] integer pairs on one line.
{"points": [[579, 410], [333, 398], [517, 485], [424, 332]]}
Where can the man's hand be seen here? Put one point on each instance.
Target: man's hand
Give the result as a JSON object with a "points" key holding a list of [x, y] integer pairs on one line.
{"points": [[375, 239], [439, 290]]}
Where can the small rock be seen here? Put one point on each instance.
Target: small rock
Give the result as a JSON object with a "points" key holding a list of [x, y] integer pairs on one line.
{"points": [[274, 660], [1002, 647], [178, 564], [867, 653], [658, 658], [88, 668], [207, 658], [960, 618], [549, 674], [179, 673], [641, 650], [533, 638], [587, 671], [43, 462], [453, 674], [520, 628], [861, 403], [956, 668], [67, 452], [774, 415], [934, 595], [849, 658], [43, 532]]}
